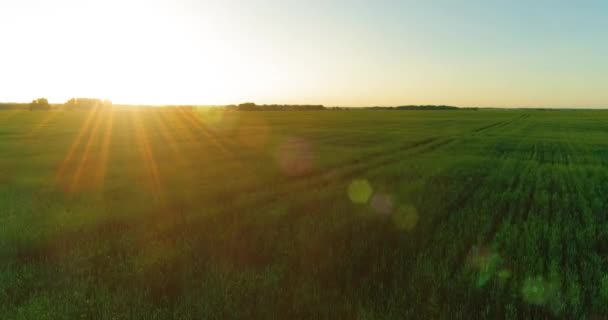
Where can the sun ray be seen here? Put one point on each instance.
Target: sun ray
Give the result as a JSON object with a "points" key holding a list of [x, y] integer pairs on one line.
{"points": [[178, 125], [105, 150], [147, 156], [194, 122], [85, 157], [65, 164], [182, 133], [167, 136]]}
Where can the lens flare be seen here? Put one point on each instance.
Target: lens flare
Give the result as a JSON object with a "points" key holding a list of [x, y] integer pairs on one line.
{"points": [[294, 157], [486, 263], [534, 290], [382, 203], [218, 119], [504, 274], [360, 191], [542, 291]]}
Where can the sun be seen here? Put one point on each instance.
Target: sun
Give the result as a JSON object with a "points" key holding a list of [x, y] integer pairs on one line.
{"points": [[137, 55]]}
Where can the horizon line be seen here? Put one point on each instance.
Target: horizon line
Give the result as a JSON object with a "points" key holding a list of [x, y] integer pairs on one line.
{"points": [[325, 105]]}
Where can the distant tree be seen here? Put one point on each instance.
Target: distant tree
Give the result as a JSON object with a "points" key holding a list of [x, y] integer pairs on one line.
{"points": [[86, 103], [40, 104], [428, 107], [250, 106]]}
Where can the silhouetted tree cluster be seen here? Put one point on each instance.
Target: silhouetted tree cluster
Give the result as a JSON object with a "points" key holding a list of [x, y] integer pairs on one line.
{"points": [[375, 108], [250, 106], [427, 107], [86, 103], [40, 104], [416, 107]]}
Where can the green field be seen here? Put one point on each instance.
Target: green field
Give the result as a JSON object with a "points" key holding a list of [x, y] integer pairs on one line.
{"points": [[195, 214]]}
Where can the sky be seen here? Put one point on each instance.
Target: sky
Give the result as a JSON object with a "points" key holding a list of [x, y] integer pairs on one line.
{"points": [[331, 52]]}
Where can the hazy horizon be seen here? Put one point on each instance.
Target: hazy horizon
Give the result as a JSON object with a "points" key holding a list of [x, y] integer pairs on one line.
{"points": [[325, 105], [356, 53]]}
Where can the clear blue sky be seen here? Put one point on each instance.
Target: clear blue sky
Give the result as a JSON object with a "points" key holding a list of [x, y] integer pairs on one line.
{"points": [[467, 53]]}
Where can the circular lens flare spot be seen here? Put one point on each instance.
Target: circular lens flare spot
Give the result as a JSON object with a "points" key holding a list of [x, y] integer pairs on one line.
{"points": [[534, 290], [382, 203], [359, 191], [504, 274], [294, 157], [217, 119], [486, 262]]}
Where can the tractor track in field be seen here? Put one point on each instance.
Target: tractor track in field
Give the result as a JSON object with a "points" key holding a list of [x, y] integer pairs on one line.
{"points": [[499, 125], [379, 159], [488, 127], [338, 172], [353, 168]]}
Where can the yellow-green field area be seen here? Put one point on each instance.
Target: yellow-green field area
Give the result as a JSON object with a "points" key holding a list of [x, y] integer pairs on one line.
{"points": [[181, 213]]}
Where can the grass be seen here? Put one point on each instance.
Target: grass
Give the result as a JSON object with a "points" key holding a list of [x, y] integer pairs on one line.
{"points": [[200, 214]]}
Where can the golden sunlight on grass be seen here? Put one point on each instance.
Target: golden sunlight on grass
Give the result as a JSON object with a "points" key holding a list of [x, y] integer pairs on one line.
{"points": [[87, 158], [85, 163], [147, 155], [169, 137], [63, 173], [105, 150]]}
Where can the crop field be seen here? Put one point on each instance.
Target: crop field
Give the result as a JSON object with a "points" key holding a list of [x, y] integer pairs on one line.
{"points": [[181, 213]]}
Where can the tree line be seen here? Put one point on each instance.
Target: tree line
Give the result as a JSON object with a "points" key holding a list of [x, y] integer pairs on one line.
{"points": [[250, 106], [92, 103], [72, 104]]}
